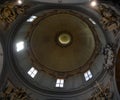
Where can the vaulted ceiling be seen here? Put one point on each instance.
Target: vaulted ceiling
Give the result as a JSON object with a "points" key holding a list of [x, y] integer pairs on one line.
{"points": [[64, 42]]}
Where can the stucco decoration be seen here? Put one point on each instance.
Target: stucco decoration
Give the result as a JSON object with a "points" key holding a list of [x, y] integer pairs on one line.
{"points": [[10, 92], [110, 18], [102, 92], [9, 11]]}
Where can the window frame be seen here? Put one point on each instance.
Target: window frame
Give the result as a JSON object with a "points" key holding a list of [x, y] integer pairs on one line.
{"points": [[88, 75], [59, 83], [32, 72]]}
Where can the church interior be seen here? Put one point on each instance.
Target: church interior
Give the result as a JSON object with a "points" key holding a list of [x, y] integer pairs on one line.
{"points": [[59, 50]]}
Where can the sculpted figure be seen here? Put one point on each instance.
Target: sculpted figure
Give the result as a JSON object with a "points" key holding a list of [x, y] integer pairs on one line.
{"points": [[110, 19], [9, 11]]}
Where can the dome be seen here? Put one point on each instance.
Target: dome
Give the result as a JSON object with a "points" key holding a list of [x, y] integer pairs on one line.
{"points": [[59, 51], [60, 41], [59, 44]]}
